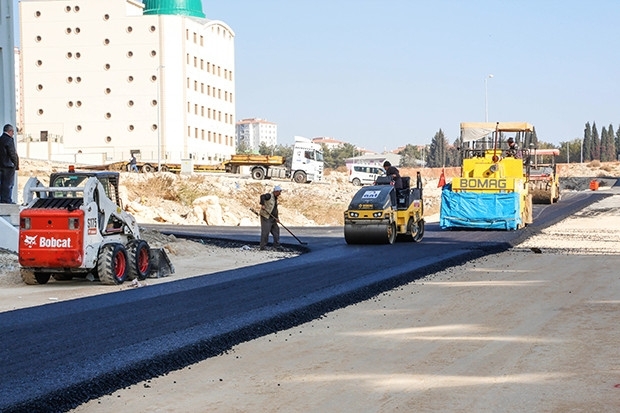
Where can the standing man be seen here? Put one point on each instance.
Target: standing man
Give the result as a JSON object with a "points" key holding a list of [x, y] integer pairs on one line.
{"points": [[9, 163], [269, 218], [133, 164]]}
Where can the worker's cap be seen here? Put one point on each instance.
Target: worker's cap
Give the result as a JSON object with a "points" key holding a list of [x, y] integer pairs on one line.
{"points": [[277, 188]]}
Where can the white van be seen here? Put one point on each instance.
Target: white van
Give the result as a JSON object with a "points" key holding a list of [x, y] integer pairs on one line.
{"points": [[364, 174]]}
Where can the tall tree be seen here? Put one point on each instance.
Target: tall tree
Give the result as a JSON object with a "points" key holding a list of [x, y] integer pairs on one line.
{"points": [[617, 141], [595, 148], [437, 151], [608, 153], [587, 143], [410, 156]]}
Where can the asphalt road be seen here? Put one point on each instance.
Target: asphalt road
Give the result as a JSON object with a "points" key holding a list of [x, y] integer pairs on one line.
{"points": [[56, 357]]}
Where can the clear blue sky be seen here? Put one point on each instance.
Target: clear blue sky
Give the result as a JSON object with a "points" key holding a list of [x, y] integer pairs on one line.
{"points": [[384, 73]]}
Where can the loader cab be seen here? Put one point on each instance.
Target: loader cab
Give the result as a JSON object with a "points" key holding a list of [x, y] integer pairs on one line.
{"points": [[109, 181]]}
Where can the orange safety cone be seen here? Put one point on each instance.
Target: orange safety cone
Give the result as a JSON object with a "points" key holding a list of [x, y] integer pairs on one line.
{"points": [[594, 185], [442, 179]]}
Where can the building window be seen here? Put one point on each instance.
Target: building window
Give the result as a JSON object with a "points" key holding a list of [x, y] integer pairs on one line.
{"points": [[130, 127], [153, 53], [108, 139], [68, 9], [40, 111], [153, 102], [129, 29], [130, 54], [78, 103], [152, 29], [78, 128], [70, 104], [69, 55], [38, 39], [68, 30], [69, 79], [39, 87], [154, 126], [78, 79], [153, 78], [108, 115], [106, 17], [76, 8], [108, 91], [78, 55], [77, 30], [107, 66], [37, 14], [130, 79], [130, 103], [106, 42]]}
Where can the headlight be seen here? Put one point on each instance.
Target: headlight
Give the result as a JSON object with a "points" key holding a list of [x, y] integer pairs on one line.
{"points": [[353, 214], [377, 214]]}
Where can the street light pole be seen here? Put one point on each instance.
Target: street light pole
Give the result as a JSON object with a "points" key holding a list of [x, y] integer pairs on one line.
{"points": [[158, 117], [486, 99]]}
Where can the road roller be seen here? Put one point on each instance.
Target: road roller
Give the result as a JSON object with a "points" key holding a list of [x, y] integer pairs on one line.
{"points": [[381, 214]]}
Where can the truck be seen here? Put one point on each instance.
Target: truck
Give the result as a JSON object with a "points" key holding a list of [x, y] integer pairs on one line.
{"points": [[306, 164], [492, 191], [76, 226]]}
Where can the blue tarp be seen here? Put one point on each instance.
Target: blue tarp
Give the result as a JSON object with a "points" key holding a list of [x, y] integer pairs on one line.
{"points": [[479, 210]]}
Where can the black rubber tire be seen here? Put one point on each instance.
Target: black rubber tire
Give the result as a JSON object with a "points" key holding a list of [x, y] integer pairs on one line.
{"points": [[416, 236], [139, 254], [112, 264], [300, 177], [164, 168], [356, 182], [258, 174], [147, 168], [34, 277], [391, 233]]}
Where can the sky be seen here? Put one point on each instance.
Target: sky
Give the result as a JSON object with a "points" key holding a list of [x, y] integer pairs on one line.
{"points": [[381, 74]]}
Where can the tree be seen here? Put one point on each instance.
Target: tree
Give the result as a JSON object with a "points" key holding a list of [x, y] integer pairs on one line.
{"points": [[617, 142], [410, 156], [587, 143], [574, 151], [595, 146], [336, 156], [608, 145], [437, 151]]}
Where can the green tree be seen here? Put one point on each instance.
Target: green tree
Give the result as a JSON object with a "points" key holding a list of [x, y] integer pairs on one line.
{"points": [[336, 157], [437, 151], [587, 143], [617, 142], [410, 156], [595, 146], [453, 155], [608, 145]]}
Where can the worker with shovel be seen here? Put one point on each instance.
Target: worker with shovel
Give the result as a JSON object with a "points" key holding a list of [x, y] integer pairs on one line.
{"points": [[269, 218]]}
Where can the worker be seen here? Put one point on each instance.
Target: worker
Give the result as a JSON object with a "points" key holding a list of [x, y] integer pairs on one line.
{"points": [[9, 163], [393, 173], [133, 163], [512, 148], [269, 218]]}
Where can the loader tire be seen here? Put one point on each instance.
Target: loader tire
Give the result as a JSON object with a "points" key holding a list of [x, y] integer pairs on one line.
{"points": [[34, 277], [139, 255], [112, 264]]}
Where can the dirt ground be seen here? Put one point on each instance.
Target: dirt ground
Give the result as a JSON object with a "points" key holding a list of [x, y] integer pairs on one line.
{"points": [[516, 332]]}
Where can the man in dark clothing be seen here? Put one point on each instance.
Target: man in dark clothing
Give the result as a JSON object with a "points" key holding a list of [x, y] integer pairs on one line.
{"points": [[392, 172], [9, 163], [269, 218]]}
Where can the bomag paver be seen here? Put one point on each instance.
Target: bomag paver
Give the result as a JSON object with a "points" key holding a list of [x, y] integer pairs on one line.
{"points": [[493, 189], [381, 214]]}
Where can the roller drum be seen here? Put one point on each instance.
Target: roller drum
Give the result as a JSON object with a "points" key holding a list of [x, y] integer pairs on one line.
{"points": [[356, 232]]}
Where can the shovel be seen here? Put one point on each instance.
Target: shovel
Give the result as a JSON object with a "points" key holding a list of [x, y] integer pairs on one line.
{"points": [[283, 226]]}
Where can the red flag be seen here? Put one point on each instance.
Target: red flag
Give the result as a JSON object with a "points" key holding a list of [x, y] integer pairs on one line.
{"points": [[442, 179]]}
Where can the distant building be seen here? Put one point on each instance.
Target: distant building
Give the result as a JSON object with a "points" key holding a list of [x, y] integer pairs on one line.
{"points": [[104, 79], [330, 143], [253, 132]]}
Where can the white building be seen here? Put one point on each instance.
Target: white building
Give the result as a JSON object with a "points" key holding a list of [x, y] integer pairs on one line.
{"points": [[251, 133], [103, 79]]}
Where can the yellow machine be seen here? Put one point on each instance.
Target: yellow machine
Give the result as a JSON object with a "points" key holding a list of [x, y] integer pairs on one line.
{"points": [[543, 176], [381, 214], [493, 190]]}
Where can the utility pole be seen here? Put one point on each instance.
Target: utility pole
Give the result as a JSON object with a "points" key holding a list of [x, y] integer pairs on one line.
{"points": [[7, 71]]}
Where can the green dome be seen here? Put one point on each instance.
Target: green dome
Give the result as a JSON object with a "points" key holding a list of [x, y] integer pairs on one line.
{"points": [[177, 7]]}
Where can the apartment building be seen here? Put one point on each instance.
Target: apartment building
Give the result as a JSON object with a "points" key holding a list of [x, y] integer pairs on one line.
{"points": [[104, 79], [251, 133]]}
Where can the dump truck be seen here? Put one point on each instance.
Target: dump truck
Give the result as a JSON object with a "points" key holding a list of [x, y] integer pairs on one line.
{"points": [[492, 191], [381, 214], [76, 226], [544, 181]]}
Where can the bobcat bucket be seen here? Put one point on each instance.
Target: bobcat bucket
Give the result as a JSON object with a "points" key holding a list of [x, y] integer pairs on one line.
{"points": [[160, 263]]}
